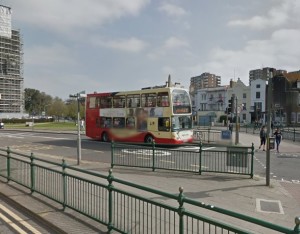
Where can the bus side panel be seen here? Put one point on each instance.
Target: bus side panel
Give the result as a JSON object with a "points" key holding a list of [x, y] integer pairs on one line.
{"points": [[92, 131]]}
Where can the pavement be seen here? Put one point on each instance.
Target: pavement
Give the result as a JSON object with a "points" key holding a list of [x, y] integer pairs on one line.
{"points": [[278, 203]]}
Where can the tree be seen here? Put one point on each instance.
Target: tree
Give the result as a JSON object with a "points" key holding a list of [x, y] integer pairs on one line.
{"points": [[57, 109], [35, 101]]}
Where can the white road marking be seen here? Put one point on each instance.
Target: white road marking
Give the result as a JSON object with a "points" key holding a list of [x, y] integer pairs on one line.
{"points": [[10, 223], [21, 221]]}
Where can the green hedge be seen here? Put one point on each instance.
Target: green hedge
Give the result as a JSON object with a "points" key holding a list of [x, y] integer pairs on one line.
{"points": [[21, 121]]}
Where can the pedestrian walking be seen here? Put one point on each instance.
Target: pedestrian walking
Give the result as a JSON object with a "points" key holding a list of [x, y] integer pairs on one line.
{"points": [[262, 135], [278, 137], [82, 125]]}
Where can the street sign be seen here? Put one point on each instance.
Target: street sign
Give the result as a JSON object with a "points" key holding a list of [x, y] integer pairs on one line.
{"points": [[226, 135]]}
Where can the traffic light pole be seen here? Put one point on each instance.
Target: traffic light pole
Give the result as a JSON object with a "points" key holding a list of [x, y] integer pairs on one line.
{"points": [[269, 118], [236, 121]]}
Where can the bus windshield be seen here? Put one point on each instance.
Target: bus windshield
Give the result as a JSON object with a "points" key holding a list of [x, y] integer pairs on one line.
{"points": [[181, 102], [181, 123]]}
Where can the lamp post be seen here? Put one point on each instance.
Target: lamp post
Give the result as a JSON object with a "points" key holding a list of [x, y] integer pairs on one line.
{"points": [[78, 96], [269, 118]]}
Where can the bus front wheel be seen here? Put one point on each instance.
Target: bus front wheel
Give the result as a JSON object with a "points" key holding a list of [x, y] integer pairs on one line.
{"points": [[149, 139], [105, 137]]}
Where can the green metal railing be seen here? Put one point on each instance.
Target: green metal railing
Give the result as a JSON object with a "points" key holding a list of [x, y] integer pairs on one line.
{"points": [[203, 158], [123, 206]]}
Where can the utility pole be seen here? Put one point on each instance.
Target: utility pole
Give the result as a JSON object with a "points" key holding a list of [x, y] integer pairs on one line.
{"points": [[269, 118], [236, 121], [78, 96]]}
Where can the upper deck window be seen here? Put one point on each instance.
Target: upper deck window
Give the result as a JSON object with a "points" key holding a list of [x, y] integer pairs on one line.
{"points": [[148, 99], [119, 101], [92, 102], [105, 102], [181, 102], [163, 99], [133, 100]]}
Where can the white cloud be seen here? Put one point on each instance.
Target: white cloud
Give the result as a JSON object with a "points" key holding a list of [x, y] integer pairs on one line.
{"points": [[54, 55], [174, 42], [284, 14], [172, 10], [67, 16], [168, 46], [281, 51], [129, 45]]}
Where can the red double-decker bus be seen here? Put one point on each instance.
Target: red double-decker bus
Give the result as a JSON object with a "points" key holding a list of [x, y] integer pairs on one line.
{"points": [[162, 114]]}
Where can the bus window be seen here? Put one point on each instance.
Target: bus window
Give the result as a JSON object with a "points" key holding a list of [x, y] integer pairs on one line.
{"points": [[92, 102], [118, 122], [130, 122], [133, 100], [163, 99], [181, 102], [164, 124], [105, 102], [149, 100], [119, 101], [181, 123], [105, 122]]}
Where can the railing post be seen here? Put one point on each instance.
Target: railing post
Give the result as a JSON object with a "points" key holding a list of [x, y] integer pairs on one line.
{"points": [[153, 155], [64, 165], [112, 153], [8, 164], [32, 173], [252, 160], [181, 210], [297, 227], [200, 158], [208, 134], [294, 135], [110, 201]]}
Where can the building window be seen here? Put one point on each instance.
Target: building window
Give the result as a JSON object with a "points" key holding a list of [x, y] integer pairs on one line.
{"points": [[293, 117], [298, 117], [299, 99], [258, 86], [244, 95], [257, 94], [244, 106], [244, 116]]}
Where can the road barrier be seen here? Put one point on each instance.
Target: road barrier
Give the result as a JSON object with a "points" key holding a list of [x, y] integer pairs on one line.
{"points": [[195, 158], [123, 206]]}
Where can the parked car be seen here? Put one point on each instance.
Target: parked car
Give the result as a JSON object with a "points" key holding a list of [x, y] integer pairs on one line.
{"points": [[1, 125]]}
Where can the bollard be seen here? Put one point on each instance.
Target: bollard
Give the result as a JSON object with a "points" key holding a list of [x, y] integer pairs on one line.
{"points": [[294, 135]]}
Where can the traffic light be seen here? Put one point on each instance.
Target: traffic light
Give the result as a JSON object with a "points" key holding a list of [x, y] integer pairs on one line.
{"points": [[230, 108]]}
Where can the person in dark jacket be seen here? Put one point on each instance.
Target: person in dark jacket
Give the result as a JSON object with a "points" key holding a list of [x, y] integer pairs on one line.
{"points": [[262, 135], [278, 137]]}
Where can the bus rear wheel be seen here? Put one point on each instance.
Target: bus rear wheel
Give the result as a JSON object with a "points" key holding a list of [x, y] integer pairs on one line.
{"points": [[105, 137], [149, 139]]}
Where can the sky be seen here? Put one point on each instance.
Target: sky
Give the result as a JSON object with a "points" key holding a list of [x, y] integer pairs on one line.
{"points": [[117, 45]]}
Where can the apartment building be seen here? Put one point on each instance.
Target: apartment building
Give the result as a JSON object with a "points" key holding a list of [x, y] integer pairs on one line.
{"points": [[11, 61]]}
